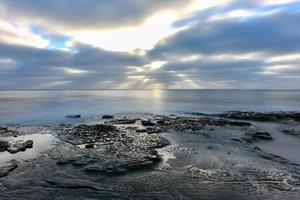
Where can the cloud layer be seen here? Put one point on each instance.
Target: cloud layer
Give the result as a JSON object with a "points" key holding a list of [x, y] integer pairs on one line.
{"points": [[229, 44]]}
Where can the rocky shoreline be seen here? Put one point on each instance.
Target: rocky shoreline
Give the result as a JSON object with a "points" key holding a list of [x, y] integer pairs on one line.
{"points": [[145, 156]]}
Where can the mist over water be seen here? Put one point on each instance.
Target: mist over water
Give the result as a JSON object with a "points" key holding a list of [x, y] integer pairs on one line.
{"points": [[52, 106]]}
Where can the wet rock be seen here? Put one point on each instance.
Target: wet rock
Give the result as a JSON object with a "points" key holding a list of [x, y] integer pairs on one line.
{"points": [[151, 130], [4, 171], [123, 121], [262, 136], [89, 146], [3, 145], [161, 122], [147, 123], [252, 136], [73, 116], [89, 134], [20, 146], [3, 129], [293, 131], [28, 144], [107, 116], [257, 116]]}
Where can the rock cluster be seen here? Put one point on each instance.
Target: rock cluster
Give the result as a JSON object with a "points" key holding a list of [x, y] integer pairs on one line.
{"points": [[257, 116], [15, 147]]}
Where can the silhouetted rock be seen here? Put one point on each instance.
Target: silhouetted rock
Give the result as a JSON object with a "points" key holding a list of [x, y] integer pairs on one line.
{"points": [[89, 146], [107, 116]]}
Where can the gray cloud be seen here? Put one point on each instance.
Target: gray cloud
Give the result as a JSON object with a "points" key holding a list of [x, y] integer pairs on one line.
{"points": [[87, 14], [33, 67], [276, 33]]}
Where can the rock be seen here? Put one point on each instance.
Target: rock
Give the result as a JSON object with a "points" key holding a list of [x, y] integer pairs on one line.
{"points": [[293, 131], [73, 116], [257, 116], [3, 145], [3, 129], [89, 146], [263, 136], [4, 171], [252, 136], [28, 144], [147, 123], [20, 146], [161, 122], [83, 134], [123, 121], [107, 116]]}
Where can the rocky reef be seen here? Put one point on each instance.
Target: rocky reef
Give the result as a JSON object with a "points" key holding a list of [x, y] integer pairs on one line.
{"points": [[145, 156]]}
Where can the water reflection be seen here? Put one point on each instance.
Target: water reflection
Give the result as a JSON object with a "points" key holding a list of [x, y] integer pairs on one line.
{"points": [[52, 106], [41, 143]]}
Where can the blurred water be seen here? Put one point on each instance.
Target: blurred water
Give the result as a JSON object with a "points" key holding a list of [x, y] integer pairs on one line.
{"points": [[52, 106]]}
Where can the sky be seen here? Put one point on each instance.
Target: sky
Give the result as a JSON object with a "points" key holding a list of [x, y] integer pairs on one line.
{"points": [[149, 44]]}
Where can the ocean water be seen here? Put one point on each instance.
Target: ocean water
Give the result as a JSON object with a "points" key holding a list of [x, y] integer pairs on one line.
{"points": [[51, 106]]}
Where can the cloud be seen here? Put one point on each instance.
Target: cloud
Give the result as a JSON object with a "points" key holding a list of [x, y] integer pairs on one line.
{"points": [[81, 68], [85, 14], [89, 44]]}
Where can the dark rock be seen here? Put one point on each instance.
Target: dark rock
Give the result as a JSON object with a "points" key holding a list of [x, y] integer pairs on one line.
{"points": [[20, 146], [161, 122], [252, 136], [28, 144], [89, 146], [257, 116], [3, 129], [3, 145], [147, 123], [73, 116], [4, 171], [123, 121], [151, 130], [107, 116]]}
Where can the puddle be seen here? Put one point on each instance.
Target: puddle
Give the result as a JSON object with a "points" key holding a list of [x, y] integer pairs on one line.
{"points": [[41, 142]]}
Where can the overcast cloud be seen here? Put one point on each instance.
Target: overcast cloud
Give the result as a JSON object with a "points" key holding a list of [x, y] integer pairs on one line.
{"points": [[141, 44]]}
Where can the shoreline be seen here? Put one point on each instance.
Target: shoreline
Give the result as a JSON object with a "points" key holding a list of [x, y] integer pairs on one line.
{"points": [[229, 155]]}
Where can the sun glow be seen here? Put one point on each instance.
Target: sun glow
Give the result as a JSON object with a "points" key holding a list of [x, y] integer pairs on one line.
{"points": [[142, 37]]}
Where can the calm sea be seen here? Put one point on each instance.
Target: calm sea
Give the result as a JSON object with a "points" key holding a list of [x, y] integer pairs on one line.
{"points": [[52, 106]]}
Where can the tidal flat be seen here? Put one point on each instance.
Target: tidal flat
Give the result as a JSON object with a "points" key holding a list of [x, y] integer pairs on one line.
{"points": [[233, 155]]}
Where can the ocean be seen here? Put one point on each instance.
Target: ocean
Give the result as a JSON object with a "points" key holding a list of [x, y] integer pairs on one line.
{"points": [[51, 106]]}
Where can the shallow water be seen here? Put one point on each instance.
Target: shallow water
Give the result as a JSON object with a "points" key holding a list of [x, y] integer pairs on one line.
{"points": [[52, 106], [41, 143], [283, 145]]}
